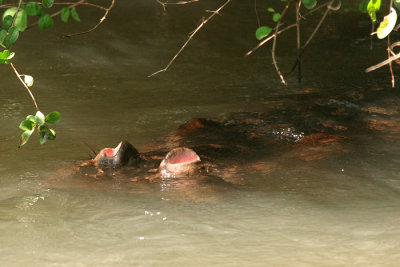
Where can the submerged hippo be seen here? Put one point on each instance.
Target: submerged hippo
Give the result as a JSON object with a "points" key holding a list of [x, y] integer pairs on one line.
{"points": [[226, 151], [181, 161], [245, 148]]}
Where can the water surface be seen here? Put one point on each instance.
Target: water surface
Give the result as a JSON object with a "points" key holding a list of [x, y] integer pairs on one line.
{"points": [[339, 211]]}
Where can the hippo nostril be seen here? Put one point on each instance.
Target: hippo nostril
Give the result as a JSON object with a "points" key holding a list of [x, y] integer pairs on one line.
{"points": [[179, 161], [108, 152], [182, 155]]}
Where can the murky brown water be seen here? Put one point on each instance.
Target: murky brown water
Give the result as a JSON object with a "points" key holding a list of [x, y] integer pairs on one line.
{"points": [[338, 211]]}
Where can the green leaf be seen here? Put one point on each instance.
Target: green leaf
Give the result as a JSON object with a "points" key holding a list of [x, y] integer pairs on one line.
{"points": [[27, 125], [53, 117], [9, 12], [270, 9], [3, 34], [44, 133], [7, 21], [22, 20], [396, 3], [51, 135], [47, 3], [30, 118], [28, 79], [65, 14], [39, 118], [5, 54], [45, 22], [309, 4], [276, 17], [34, 9], [372, 15], [363, 6], [74, 14], [387, 25], [372, 7], [25, 137], [12, 36], [42, 137], [263, 32]]}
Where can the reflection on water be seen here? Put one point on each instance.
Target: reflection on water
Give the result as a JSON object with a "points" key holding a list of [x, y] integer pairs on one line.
{"points": [[342, 209]]}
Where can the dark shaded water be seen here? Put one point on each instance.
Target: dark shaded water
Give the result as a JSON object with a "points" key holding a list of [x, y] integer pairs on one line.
{"points": [[340, 210]]}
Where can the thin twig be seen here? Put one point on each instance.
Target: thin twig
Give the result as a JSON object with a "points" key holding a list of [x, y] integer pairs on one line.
{"points": [[269, 38], [390, 63], [256, 11], [16, 12], [72, 4], [387, 61], [82, 2], [290, 26], [302, 49], [203, 22], [371, 37], [278, 24], [320, 22], [298, 40], [164, 4], [26, 87], [107, 11], [389, 49]]}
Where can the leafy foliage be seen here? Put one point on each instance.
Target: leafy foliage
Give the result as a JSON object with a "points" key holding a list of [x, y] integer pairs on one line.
{"points": [[309, 4], [21, 19], [14, 20], [372, 7], [6, 56], [396, 3], [47, 3], [65, 14], [34, 9], [7, 21], [45, 22], [74, 14], [387, 25], [263, 32], [39, 122], [12, 36], [363, 6]]}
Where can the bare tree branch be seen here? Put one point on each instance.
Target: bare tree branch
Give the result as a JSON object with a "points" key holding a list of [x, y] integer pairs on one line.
{"points": [[278, 24], [107, 11], [298, 18], [71, 4], [164, 4], [387, 61], [24, 84], [269, 38], [193, 33]]}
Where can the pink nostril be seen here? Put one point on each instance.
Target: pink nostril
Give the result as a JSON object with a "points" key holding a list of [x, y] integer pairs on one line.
{"points": [[108, 152], [182, 155]]}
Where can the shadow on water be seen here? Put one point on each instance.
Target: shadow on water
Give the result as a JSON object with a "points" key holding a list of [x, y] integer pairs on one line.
{"points": [[331, 199]]}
